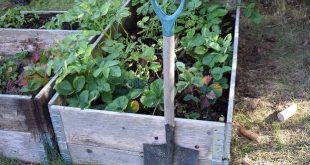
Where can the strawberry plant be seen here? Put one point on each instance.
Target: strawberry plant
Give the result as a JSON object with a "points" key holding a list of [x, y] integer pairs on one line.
{"points": [[12, 19], [90, 15], [125, 73], [23, 73]]}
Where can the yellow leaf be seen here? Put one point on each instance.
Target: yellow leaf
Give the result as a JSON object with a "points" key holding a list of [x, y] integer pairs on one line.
{"points": [[217, 88], [135, 105]]}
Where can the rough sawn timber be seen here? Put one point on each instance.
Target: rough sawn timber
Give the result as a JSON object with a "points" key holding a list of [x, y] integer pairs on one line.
{"points": [[120, 136], [16, 40], [19, 145], [26, 118]]}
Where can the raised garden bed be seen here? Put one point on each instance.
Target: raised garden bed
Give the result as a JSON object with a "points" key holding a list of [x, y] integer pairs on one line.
{"points": [[89, 135], [25, 125]]}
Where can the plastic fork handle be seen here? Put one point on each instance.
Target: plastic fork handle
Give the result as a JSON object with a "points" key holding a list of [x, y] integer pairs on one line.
{"points": [[167, 21]]}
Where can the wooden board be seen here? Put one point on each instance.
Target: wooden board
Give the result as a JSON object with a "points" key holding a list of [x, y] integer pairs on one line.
{"points": [[19, 145], [16, 40], [23, 116], [124, 132], [41, 102], [13, 111]]}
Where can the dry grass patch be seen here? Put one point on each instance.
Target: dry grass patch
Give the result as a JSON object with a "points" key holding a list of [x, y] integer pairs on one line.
{"points": [[274, 69]]}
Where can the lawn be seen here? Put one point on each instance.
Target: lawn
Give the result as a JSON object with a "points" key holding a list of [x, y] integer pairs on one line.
{"points": [[273, 72], [55, 5]]}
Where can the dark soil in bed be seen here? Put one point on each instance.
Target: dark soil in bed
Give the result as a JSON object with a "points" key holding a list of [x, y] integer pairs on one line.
{"points": [[37, 21]]}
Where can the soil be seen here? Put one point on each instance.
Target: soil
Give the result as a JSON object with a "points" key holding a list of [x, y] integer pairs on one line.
{"points": [[37, 23]]}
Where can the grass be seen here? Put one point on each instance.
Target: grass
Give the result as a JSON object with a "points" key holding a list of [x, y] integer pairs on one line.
{"points": [[5, 161], [56, 5], [273, 72]]}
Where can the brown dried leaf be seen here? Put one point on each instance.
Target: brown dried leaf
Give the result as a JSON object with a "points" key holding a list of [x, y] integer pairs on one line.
{"points": [[248, 134]]}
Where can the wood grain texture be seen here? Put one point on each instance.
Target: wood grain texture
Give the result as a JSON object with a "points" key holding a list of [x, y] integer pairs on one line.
{"points": [[128, 132], [16, 40], [168, 71], [19, 145], [12, 112], [41, 102], [82, 154]]}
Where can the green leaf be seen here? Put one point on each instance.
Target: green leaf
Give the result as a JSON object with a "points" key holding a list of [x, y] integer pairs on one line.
{"points": [[148, 53], [83, 97], [217, 73], [155, 66], [35, 84], [257, 17], [135, 93], [115, 71], [119, 104], [105, 8], [157, 86], [180, 66], [106, 97], [106, 72], [193, 4], [149, 99], [192, 115], [154, 96], [215, 46], [198, 40], [73, 101], [210, 59], [198, 81], [64, 88], [191, 98], [102, 85], [200, 50], [97, 72], [108, 64], [93, 95], [181, 85], [78, 83], [219, 12]]}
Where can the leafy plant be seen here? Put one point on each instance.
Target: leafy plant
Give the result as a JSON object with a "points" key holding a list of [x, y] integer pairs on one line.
{"points": [[12, 19], [252, 13], [23, 73], [153, 97], [90, 15], [124, 73]]}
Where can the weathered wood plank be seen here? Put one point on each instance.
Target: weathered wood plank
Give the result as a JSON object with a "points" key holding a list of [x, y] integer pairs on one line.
{"points": [[19, 145], [12, 112], [124, 131], [16, 40], [41, 102], [82, 154]]}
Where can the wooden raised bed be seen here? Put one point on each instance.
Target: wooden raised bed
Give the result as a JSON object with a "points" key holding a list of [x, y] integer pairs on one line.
{"points": [[24, 119], [91, 136]]}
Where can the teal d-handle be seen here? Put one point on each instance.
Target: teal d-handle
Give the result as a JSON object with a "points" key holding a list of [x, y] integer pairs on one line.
{"points": [[167, 21]]}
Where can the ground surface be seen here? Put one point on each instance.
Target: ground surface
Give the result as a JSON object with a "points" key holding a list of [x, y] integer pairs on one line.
{"points": [[273, 72], [48, 5]]}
